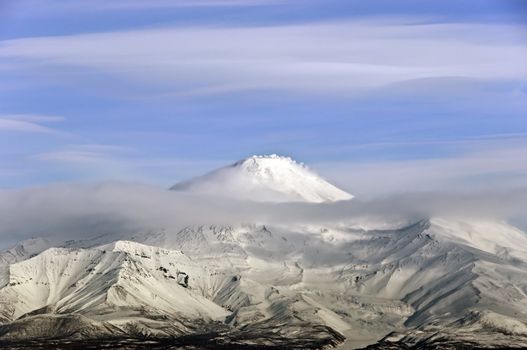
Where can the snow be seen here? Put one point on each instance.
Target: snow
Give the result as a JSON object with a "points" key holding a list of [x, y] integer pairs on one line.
{"points": [[493, 237], [434, 279], [359, 283], [123, 275], [19, 252], [265, 178]]}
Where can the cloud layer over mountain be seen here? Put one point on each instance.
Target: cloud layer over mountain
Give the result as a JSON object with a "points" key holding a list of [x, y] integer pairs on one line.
{"points": [[75, 211]]}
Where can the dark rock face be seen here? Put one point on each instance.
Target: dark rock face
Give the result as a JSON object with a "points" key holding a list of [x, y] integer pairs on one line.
{"points": [[39, 327], [448, 340], [182, 279], [447, 345], [80, 335]]}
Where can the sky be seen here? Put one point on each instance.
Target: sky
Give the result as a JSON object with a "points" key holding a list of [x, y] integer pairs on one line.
{"points": [[377, 96]]}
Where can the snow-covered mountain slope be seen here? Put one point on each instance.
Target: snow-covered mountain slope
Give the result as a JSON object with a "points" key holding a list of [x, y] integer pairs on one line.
{"points": [[437, 280], [126, 290], [23, 250], [19, 252], [103, 280], [265, 178]]}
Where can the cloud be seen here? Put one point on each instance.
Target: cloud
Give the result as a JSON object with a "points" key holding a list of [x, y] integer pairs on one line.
{"points": [[101, 162], [91, 162], [73, 156], [475, 165], [29, 123], [344, 57], [483, 163], [35, 118], [63, 212], [85, 153], [481, 183], [29, 8]]}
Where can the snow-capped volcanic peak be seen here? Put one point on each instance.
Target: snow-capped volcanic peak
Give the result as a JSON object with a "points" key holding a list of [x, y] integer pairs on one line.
{"points": [[265, 178]]}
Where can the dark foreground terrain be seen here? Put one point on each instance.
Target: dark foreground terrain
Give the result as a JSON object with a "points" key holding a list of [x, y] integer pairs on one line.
{"points": [[202, 341], [215, 341], [451, 345]]}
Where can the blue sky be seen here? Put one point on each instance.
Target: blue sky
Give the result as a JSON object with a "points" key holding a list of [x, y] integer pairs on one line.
{"points": [[375, 95]]}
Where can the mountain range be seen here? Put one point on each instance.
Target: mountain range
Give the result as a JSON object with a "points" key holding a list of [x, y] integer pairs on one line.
{"points": [[433, 283]]}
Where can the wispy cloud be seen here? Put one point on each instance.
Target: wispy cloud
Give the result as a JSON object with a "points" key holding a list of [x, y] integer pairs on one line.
{"points": [[100, 162], [479, 167], [320, 57], [73, 157], [29, 123], [87, 155], [54, 7]]}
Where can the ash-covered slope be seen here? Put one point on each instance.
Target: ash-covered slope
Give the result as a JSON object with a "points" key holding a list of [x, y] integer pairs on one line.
{"points": [[265, 178]]}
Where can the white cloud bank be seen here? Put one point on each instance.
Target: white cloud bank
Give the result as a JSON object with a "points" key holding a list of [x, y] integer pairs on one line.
{"points": [[316, 57], [79, 211]]}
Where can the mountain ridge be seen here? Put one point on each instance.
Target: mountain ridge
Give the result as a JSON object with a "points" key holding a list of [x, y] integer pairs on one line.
{"points": [[262, 279], [438, 281]]}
